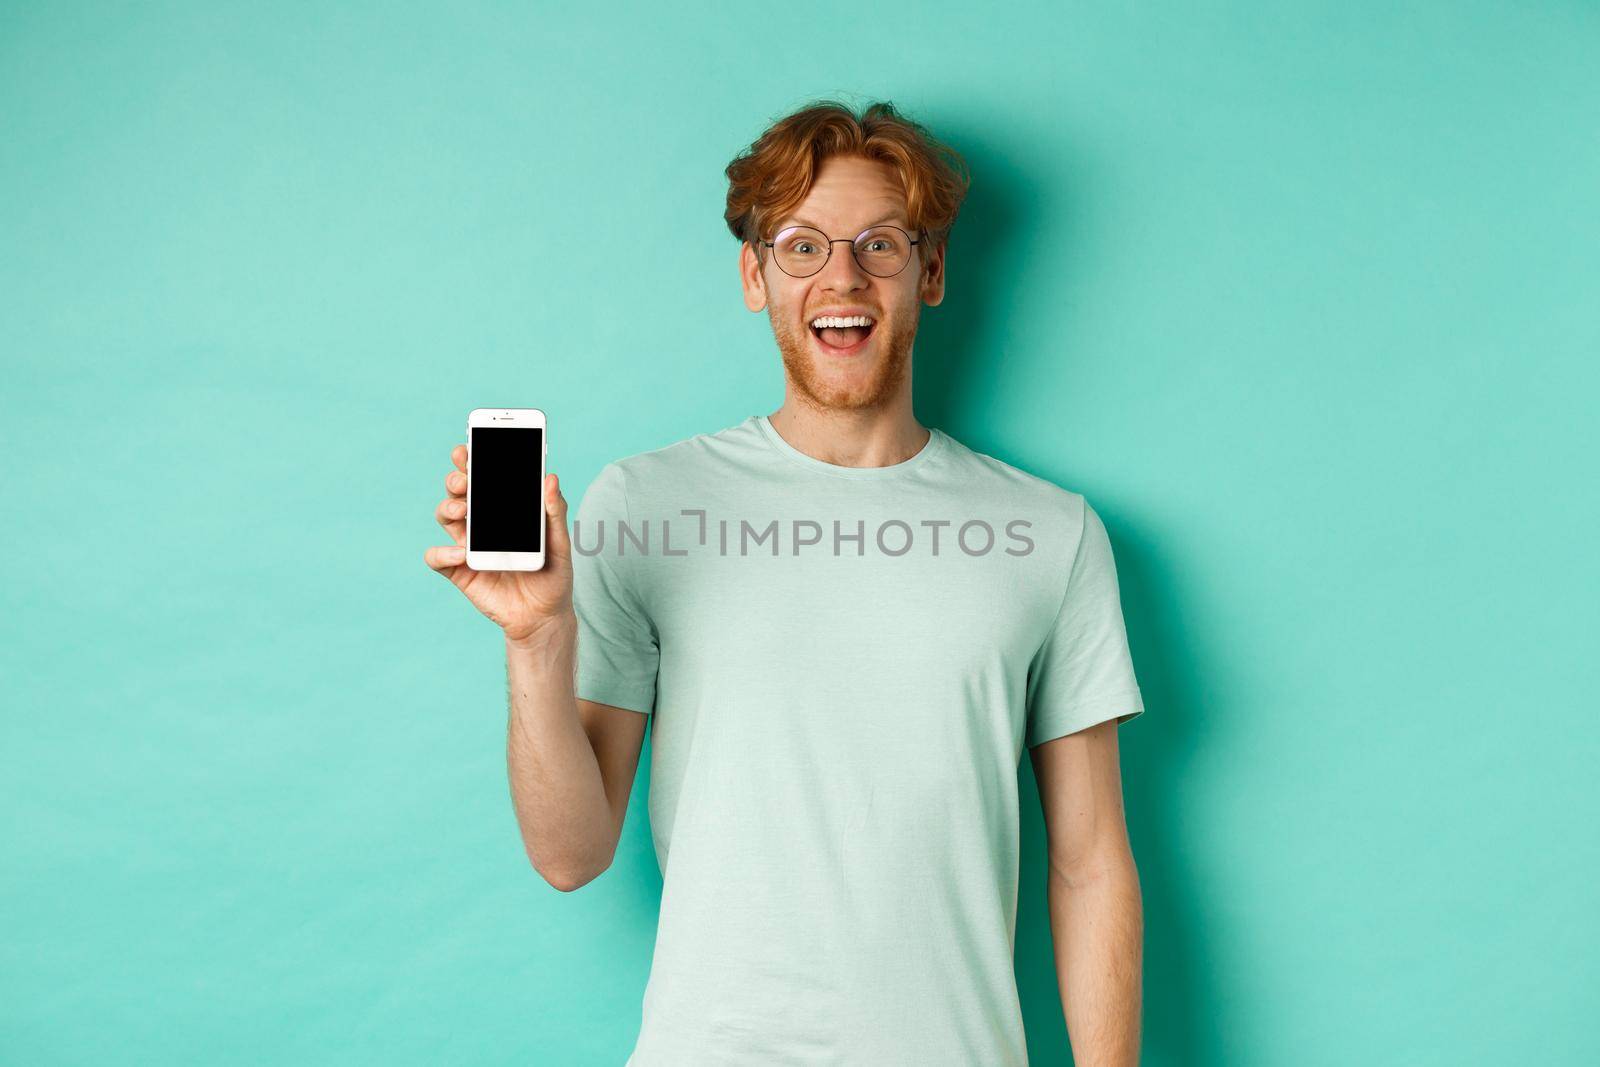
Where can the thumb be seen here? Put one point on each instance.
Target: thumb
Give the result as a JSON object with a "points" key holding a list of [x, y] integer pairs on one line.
{"points": [[555, 505]]}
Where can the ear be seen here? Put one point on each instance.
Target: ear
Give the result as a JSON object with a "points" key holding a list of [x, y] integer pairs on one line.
{"points": [[933, 277], [750, 276]]}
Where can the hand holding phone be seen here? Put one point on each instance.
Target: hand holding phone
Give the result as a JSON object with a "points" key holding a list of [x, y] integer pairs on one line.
{"points": [[500, 504], [505, 470]]}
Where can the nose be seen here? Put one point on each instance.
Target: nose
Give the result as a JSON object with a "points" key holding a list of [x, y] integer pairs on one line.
{"points": [[842, 273]]}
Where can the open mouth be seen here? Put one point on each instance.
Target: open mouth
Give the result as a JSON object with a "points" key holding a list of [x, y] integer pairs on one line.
{"points": [[843, 340]]}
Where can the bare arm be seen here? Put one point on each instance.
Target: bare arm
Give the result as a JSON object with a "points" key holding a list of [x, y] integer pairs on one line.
{"points": [[1096, 915], [571, 762]]}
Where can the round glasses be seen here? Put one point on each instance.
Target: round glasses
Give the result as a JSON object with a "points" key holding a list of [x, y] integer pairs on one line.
{"points": [[801, 251]]}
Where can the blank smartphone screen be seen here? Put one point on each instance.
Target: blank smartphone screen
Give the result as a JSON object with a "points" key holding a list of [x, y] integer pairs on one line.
{"points": [[506, 516]]}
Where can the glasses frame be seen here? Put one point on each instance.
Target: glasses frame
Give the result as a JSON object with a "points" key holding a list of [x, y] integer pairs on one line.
{"points": [[851, 241]]}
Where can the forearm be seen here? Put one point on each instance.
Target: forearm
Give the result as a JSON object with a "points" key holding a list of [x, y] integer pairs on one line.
{"points": [[1097, 926], [556, 786]]}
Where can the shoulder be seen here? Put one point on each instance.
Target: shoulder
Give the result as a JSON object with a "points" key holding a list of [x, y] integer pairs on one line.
{"points": [[1059, 516], [673, 472], [690, 455], [1011, 484]]}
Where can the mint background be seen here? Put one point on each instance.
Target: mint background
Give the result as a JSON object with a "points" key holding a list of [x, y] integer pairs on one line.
{"points": [[1302, 297]]}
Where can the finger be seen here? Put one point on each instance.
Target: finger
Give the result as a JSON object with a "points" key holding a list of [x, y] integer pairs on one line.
{"points": [[458, 456], [455, 483], [452, 515], [445, 558], [555, 505]]}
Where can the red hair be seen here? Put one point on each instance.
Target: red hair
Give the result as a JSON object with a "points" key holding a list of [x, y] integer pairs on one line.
{"points": [[773, 176]]}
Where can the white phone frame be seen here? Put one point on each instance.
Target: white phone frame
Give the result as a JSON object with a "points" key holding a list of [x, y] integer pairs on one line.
{"points": [[509, 418]]}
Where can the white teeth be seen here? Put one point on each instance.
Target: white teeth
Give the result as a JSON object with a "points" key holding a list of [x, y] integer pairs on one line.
{"points": [[835, 320]]}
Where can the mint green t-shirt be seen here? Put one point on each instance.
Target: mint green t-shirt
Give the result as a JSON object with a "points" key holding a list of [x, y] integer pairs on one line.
{"points": [[843, 666]]}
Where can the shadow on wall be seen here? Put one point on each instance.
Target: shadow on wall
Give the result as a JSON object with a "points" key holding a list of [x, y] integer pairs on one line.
{"points": [[982, 271]]}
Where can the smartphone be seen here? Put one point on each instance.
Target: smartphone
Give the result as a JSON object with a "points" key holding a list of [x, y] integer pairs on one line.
{"points": [[505, 481]]}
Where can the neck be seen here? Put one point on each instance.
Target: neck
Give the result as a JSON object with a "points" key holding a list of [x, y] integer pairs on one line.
{"points": [[851, 437]]}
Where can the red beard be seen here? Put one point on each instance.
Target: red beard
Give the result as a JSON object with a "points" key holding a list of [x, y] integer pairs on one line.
{"points": [[847, 385]]}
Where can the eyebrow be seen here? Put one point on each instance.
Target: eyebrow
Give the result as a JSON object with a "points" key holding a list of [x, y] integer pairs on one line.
{"points": [[794, 220]]}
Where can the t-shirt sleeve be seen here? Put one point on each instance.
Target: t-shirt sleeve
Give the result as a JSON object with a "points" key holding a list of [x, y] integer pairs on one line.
{"points": [[618, 651], [1083, 672]]}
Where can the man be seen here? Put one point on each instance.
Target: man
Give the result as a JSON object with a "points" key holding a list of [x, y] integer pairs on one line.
{"points": [[843, 627]]}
